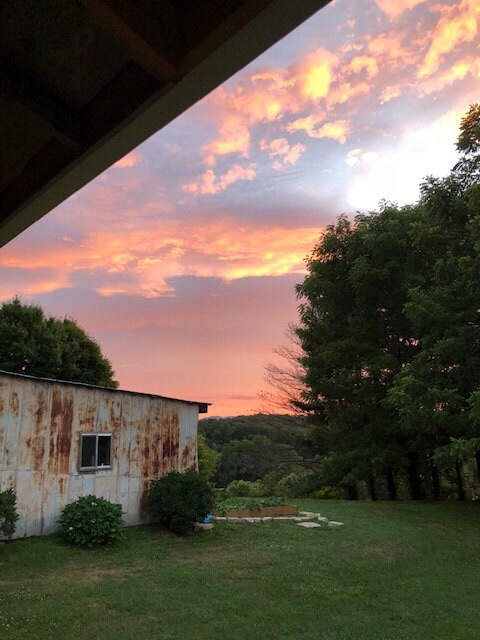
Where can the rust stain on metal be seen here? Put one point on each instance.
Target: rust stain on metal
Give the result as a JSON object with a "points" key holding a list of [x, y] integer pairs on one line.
{"points": [[146, 447], [189, 459], [38, 449], [170, 443], [156, 451], [60, 431], [88, 414], [61, 485], [14, 404]]}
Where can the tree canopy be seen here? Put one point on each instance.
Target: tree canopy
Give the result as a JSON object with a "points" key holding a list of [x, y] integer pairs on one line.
{"points": [[35, 344], [390, 333]]}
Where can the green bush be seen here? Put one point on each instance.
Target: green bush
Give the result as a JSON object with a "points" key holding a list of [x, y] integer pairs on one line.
{"points": [[207, 458], [242, 488], [178, 500], [329, 493], [293, 485], [222, 507], [8, 513], [91, 522]]}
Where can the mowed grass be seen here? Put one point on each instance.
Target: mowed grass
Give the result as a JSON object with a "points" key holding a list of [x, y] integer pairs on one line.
{"points": [[394, 572]]}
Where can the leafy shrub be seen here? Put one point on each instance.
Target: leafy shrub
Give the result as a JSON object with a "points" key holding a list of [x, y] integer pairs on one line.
{"points": [[293, 485], [207, 458], [178, 500], [91, 522], [240, 488], [8, 513], [224, 506], [329, 493]]}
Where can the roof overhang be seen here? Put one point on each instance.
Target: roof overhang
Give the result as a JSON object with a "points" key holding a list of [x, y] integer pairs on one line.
{"points": [[83, 82]]}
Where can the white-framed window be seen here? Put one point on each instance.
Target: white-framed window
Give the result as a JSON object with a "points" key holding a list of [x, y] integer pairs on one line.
{"points": [[95, 451]]}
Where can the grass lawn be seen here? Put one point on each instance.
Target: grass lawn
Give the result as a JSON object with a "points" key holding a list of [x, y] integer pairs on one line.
{"points": [[394, 572]]}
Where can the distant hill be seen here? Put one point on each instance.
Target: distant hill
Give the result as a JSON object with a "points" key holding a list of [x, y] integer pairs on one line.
{"points": [[280, 429]]}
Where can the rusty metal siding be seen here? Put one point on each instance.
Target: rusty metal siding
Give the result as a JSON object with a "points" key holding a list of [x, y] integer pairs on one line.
{"points": [[40, 427]]}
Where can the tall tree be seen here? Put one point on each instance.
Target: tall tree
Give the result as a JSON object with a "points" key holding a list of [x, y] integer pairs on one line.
{"points": [[356, 340], [436, 394], [390, 329], [34, 344]]}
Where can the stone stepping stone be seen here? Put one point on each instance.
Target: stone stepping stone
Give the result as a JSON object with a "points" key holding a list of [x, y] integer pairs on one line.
{"points": [[334, 523], [309, 525], [322, 519]]}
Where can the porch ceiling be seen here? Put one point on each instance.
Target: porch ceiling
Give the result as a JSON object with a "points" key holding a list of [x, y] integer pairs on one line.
{"points": [[82, 82]]}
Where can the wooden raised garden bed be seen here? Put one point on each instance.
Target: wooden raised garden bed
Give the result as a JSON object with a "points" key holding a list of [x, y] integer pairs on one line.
{"points": [[272, 512]]}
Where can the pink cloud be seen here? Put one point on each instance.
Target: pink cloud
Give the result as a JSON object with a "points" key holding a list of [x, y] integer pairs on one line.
{"points": [[210, 184], [458, 24], [130, 160], [459, 71], [283, 151], [316, 128], [394, 8], [367, 63]]}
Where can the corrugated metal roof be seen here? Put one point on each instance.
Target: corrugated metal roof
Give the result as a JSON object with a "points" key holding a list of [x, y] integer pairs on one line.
{"points": [[93, 386]]}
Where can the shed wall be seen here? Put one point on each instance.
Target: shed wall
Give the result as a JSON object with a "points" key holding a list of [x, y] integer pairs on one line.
{"points": [[40, 427]]}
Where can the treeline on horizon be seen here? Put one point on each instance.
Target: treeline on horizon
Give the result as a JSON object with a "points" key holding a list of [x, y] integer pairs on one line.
{"points": [[259, 455], [384, 364]]}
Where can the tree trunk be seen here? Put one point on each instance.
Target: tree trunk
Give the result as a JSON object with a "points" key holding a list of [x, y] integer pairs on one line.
{"points": [[371, 488], [458, 471], [413, 478], [435, 481], [391, 486], [352, 493], [427, 475]]}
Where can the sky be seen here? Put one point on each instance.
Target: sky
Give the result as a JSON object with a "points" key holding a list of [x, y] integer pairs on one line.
{"points": [[181, 260]]}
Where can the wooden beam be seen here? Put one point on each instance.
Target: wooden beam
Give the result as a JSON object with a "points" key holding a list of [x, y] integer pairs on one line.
{"points": [[18, 86], [134, 33], [247, 11], [43, 167]]}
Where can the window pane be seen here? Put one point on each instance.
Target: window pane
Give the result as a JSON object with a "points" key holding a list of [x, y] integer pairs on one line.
{"points": [[104, 446], [88, 450]]}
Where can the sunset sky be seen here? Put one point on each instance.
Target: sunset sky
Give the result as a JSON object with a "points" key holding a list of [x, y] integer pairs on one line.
{"points": [[181, 260]]}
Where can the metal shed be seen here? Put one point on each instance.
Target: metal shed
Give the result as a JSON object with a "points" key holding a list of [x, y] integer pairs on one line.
{"points": [[62, 440]]}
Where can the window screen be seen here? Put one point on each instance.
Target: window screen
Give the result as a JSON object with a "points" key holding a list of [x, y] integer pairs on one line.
{"points": [[103, 457], [96, 450], [89, 446]]}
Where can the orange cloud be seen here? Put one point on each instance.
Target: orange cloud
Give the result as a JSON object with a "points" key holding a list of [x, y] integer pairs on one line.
{"points": [[283, 151], [389, 93], [266, 97], [315, 74], [35, 286], [459, 71], [210, 184], [392, 47], [336, 130], [234, 137], [130, 160], [457, 25], [394, 8], [140, 261], [345, 92], [359, 63]]}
